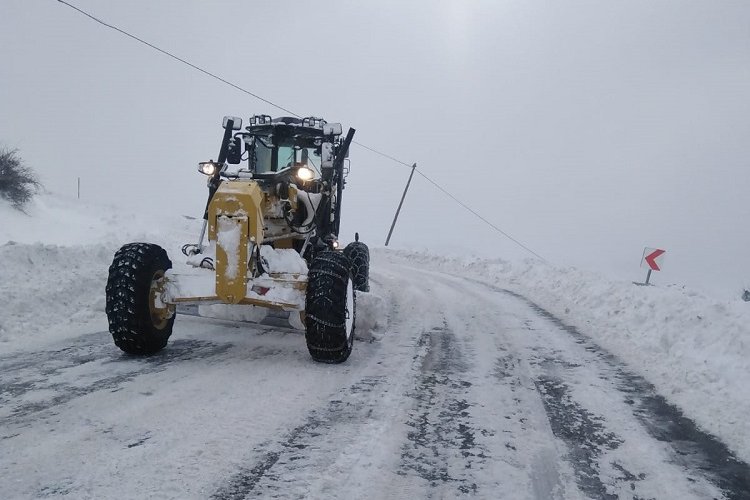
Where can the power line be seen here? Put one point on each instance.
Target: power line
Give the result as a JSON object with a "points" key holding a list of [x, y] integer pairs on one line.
{"points": [[382, 154], [511, 238], [103, 23], [464, 205], [245, 91]]}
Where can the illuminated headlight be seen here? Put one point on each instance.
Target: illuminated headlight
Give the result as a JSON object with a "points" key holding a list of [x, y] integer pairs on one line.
{"points": [[335, 244], [305, 174], [208, 167]]}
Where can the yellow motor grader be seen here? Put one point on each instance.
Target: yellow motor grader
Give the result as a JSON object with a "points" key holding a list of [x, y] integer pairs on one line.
{"points": [[269, 239]]}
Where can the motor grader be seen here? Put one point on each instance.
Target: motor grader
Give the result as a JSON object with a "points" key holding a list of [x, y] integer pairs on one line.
{"points": [[269, 239]]}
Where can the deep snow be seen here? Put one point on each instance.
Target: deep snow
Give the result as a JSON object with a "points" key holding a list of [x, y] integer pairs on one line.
{"points": [[694, 348]]}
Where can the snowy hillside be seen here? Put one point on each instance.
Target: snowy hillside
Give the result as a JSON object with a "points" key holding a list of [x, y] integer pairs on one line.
{"points": [[694, 349]]}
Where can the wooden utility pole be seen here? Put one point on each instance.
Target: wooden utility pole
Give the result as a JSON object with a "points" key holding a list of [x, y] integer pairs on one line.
{"points": [[398, 210]]}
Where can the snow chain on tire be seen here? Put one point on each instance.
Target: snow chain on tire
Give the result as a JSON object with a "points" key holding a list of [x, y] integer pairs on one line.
{"points": [[359, 255], [326, 310], [129, 312]]}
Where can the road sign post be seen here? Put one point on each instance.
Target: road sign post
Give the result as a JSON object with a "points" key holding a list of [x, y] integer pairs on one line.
{"points": [[653, 258]]}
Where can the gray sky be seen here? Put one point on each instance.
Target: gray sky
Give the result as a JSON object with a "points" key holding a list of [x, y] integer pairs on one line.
{"points": [[585, 129]]}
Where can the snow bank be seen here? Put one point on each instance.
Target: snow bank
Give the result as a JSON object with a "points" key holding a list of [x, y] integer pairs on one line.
{"points": [[50, 292], [56, 220], [372, 316], [693, 348], [54, 262]]}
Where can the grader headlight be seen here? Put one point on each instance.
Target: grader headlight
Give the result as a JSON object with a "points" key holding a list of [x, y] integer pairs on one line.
{"points": [[305, 174], [208, 167]]}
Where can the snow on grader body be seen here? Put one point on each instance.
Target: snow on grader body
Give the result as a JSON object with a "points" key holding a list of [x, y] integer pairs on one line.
{"points": [[273, 225]]}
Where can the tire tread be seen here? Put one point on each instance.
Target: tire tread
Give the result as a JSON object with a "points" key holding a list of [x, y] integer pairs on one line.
{"points": [[127, 295]]}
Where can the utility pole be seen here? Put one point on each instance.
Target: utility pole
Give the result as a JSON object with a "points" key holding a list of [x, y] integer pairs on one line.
{"points": [[398, 210]]}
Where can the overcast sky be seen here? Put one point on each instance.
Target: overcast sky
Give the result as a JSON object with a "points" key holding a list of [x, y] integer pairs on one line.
{"points": [[585, 129]]}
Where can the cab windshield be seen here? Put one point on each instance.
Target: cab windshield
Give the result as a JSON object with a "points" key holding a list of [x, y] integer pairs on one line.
{"points": [[287, 156]]}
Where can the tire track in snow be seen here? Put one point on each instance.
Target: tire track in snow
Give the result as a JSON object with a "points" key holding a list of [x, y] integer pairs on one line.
{"points": [[33, 382], [36, 382], [479, 426], [512, 372], [694, 449], [295, 459], [441, 447], [583, 432]]}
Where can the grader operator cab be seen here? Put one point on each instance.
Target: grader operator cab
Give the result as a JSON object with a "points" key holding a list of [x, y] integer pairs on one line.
{"points": [[269, 239]]}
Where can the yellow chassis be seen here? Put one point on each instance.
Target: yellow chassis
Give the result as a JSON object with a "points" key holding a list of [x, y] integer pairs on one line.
{"points": [[235, 226]]}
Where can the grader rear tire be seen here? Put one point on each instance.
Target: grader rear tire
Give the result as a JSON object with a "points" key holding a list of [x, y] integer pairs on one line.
{"points": [[359, 255], [330, 308], [137, 322]]}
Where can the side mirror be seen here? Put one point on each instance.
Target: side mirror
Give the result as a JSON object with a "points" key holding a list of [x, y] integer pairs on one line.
{"points": [[326, 155], [332, 129], [236, 122], [234, 151]]}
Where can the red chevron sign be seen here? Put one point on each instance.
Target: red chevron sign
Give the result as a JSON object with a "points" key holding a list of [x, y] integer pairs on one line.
{"points": [[653, 257]]}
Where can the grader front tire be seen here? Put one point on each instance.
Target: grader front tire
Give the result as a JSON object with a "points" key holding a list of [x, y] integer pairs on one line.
{"points": [[330, 308], [138, 322]]}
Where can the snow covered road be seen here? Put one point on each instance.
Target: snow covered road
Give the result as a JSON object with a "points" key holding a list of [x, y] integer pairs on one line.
{"points": [[469, 391]]}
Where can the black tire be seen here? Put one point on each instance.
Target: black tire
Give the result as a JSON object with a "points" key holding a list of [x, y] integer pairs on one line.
{"points": [[133, 322], [330, 308], [359, 255]]}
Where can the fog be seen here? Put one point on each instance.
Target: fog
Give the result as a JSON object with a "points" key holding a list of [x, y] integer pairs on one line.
{"points": [[587, 130]]}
